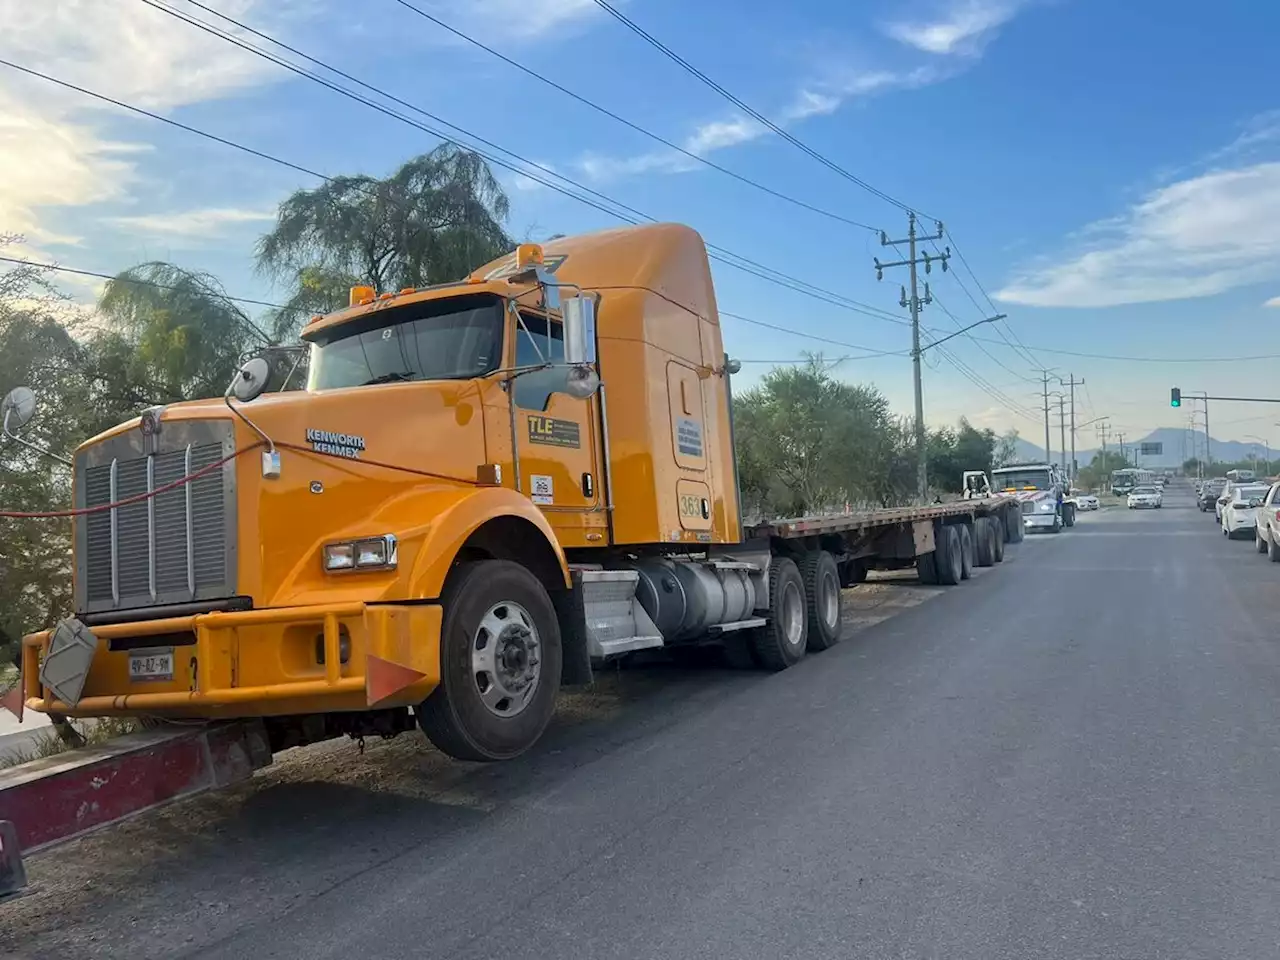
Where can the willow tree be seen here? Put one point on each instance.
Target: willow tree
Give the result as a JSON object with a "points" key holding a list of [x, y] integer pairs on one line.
{"points": [[167, 334], [433, 220]]}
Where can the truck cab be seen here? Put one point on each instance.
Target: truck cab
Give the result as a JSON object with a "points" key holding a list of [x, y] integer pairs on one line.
{"points": [[1041, 489]]}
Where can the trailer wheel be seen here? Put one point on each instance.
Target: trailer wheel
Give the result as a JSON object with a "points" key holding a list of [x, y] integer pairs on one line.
{"points": [[782, 641], [1013, 528], [966, 551], [499, 663], [997, 538], [948, 557], [984, 542], [822, 591], [927, 568]]}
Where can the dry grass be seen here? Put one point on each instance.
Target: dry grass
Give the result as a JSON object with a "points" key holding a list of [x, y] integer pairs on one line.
{"points": [[48, 743]]}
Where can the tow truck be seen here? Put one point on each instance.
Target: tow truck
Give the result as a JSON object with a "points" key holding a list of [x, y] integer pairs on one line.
{"points": [[1041, 491]]}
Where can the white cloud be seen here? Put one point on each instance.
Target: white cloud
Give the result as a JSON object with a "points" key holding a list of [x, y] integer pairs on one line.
{"points": [[963, 28], [55, 150], [520, 20], [1194, 238], [719, 134], [1273, 302], [206, 223]]}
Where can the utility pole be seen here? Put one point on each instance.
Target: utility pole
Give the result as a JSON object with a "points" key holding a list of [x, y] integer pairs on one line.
{"points": [[1072, 383], [1062, 428], [915, 303], [1123, 456], [1044, 385]]}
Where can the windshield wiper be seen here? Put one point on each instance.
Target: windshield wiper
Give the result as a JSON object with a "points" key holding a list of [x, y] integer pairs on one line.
{"points": [[387, 378]]}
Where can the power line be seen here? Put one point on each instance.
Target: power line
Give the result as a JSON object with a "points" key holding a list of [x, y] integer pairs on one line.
{"points": [[753, 113], [58, 268], [145, 283], [978, 283], [1024, 354], [605, 111], [720, 254]]}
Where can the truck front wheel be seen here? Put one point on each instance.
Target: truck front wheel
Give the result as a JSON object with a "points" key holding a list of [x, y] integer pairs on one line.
{"points": [[499, 663], [782, 641]]}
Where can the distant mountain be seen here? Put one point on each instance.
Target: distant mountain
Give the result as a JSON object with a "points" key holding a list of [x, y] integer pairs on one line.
{"points": [[1176, 449]]}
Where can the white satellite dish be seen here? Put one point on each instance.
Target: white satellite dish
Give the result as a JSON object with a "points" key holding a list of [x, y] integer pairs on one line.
{"points": [[251, 380], [17, 408]]}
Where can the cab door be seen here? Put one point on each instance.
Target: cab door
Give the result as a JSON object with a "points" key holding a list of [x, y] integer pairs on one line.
{"points": [[557, 437]]}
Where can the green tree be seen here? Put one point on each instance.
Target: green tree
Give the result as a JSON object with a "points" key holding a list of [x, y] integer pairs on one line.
{"points": [[807, 442], [1006, 449], [433, 220]]}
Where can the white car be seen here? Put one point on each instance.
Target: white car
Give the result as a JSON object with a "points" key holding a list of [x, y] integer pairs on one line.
{"points": [[1240, 513], [1086, 501], [1144, 497]]}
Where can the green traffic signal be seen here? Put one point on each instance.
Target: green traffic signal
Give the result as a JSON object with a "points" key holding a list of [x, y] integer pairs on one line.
{"points": [[1175, 397]]}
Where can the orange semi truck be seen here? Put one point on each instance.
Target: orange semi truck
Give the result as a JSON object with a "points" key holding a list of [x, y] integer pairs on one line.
{"points": [[486, 488]]}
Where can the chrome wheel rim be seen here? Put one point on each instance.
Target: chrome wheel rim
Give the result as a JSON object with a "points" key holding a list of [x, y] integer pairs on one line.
{"points": [[830, 599], [506, 659], [792, 610]]}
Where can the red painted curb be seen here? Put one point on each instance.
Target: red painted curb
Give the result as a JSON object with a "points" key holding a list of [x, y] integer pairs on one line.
{"points": [[60, 797]]}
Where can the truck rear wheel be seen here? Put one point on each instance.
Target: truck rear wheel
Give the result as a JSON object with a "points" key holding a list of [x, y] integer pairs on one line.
{"points": [[997, 538], [822, 592], [782, 641], [499, 663], [966, 551], [984, 542], [950, 567]]}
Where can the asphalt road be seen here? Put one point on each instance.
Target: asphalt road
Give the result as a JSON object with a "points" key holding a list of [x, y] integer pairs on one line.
{"points": [[1075, 755]]}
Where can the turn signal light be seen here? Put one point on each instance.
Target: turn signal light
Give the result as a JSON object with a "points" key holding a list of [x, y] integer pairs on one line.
{"points": [[528, 255], [362, 294]]}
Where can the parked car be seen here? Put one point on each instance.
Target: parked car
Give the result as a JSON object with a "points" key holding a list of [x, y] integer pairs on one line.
{"points": [[1266, 532], [1209, 491], [1239, 514], [1144, 497], [1224, 497], [1086, 501]]}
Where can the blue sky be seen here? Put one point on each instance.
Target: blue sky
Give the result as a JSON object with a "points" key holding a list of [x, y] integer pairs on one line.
{"points": [[1111, 171]]}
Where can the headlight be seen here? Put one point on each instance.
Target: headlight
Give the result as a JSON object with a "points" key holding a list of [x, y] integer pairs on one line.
{"points": [[1045, 508], [370, 553]]}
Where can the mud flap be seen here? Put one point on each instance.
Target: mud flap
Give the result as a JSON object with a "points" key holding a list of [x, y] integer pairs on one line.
{"points": [[575, 664]]}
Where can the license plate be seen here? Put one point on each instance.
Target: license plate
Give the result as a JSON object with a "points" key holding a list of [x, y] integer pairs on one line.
{"points": [[153, 664]]}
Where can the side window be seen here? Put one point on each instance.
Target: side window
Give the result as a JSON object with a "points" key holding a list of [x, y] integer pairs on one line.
{"points": [[535, 344]]}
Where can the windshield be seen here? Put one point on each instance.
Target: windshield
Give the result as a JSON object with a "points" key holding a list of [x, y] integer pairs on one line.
{"points": [[1251, 493], [453, 339], [1023, 478]]}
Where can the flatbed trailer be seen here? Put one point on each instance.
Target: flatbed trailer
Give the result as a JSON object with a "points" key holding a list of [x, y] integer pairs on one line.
{"points": [[893, 538]]}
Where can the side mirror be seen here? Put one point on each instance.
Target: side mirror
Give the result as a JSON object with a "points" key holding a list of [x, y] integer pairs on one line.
{"points": [[250, 380], [580, 382], [579, 315], [17, 409]]}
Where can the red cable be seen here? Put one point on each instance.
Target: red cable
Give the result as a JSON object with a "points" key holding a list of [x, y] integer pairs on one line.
{"points": [[136, 498]]}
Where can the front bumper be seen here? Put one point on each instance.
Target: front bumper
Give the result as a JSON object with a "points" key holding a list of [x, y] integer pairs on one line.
{"points": [[256, 663], [1038, 521]]}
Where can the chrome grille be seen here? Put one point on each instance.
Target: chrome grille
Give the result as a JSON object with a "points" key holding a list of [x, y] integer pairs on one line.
{"points": [[172, 548]]}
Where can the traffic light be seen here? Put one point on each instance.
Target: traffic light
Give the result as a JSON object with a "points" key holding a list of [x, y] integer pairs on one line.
{"points": [[1175, 397]]}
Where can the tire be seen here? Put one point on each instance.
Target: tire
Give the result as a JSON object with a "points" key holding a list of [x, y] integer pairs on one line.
{"points": [[948, 557], [997, 538], [823, 602], [984, 543], [1057, 524], [1014, 530], [783, 640], [492, 607], [1069, 514], [927, 568], [1258, 543], [966, 551], [1273, 551]]}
